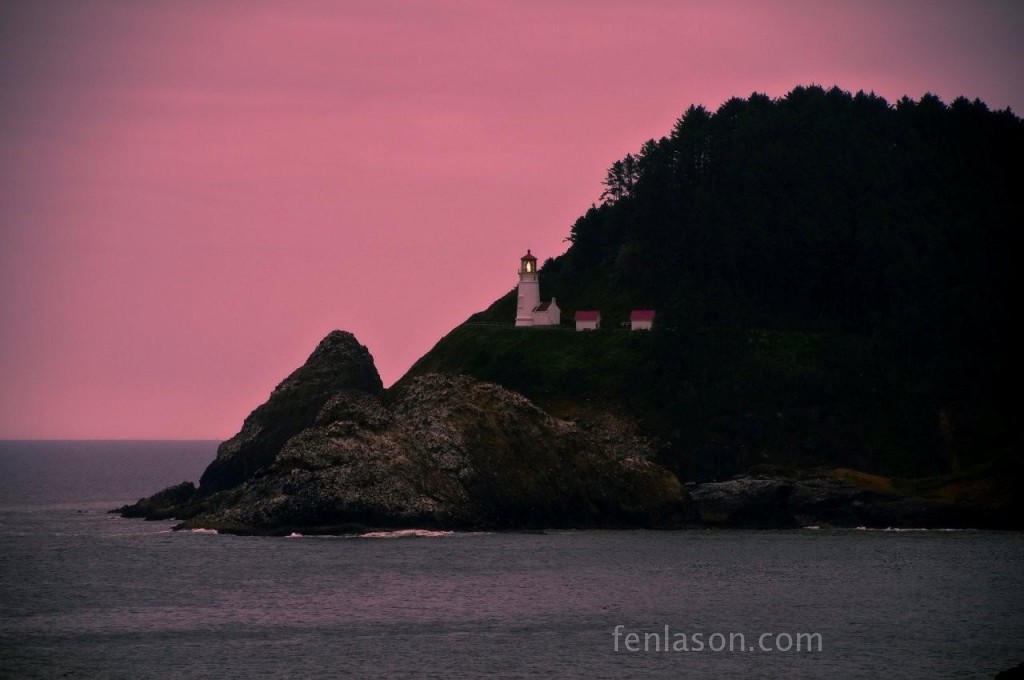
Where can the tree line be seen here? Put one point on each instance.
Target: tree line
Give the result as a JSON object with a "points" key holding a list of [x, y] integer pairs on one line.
{"points": [[822, 211]]}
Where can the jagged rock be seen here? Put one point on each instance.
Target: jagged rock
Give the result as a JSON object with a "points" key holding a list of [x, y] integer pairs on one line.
{"points": [[760, 503], [339, 363], [325, 455], [161, 505], [359, 408], [812, 498]]}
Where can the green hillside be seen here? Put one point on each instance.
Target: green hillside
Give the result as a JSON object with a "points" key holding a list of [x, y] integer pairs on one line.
{"points": [[834, 283]]}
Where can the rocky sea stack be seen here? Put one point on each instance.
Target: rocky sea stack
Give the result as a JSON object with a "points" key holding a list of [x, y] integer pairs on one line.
{"points": [[331, 451]]}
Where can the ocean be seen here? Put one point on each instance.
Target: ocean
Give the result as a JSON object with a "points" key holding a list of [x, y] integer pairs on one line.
{"points": [[87, 594]]}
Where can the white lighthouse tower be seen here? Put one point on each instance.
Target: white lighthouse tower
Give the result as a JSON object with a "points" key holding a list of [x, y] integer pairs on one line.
{"points": [[530, 311], [529, 290]]}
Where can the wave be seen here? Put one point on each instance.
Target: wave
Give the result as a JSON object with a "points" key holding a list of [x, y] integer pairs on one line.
{"points": [[406, 533], [205, 531], [901, 530]]}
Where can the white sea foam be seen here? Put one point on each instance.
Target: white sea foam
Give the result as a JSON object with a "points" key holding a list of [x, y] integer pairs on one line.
{"points": [[406, 533], [204, 531], [902, 530], [813, 527], [294, 534]]}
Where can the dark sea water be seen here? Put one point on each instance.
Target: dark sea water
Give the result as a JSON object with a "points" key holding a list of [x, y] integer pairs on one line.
{"points": [[85, 594]]}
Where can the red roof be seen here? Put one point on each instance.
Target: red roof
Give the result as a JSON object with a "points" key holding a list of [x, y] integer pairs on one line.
{"points": [[641, 315], [528, 256], [542, 307], [588, 315]]}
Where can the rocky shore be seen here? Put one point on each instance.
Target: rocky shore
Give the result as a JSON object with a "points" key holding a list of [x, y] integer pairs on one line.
{"points": [[332, 452], [771, 499]]}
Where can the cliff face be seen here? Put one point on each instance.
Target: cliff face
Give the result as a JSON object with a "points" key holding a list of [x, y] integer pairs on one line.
{"points": [[329, 451]]}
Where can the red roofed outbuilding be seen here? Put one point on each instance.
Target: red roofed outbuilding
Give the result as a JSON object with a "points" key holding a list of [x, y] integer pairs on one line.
{"points": [[588, 320], [641, 319]]}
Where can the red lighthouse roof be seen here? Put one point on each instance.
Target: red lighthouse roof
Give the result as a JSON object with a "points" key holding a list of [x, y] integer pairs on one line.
{"points": [[528, 256]]}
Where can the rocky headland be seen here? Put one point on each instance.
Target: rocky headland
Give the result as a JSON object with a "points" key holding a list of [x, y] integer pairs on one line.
{"points": [[828, 303], [331, 451]]}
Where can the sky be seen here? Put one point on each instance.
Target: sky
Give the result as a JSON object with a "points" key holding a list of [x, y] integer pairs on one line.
{"points": [[192, 193]]}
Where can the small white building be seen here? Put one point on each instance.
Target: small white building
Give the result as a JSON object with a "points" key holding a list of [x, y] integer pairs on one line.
{"points": [[547, 314], [588, 320], [641, 319], [530, 311]]}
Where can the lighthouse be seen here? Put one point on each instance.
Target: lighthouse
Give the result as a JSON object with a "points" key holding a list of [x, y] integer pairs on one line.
{"points": [[530, 311], [529, 290]]}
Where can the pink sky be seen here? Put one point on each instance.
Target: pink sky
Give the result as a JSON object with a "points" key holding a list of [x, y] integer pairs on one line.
{"points": [[193, 193]]}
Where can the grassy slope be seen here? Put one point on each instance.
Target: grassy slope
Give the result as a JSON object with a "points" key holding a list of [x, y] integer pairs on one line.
{"points": [[722, 400]]}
